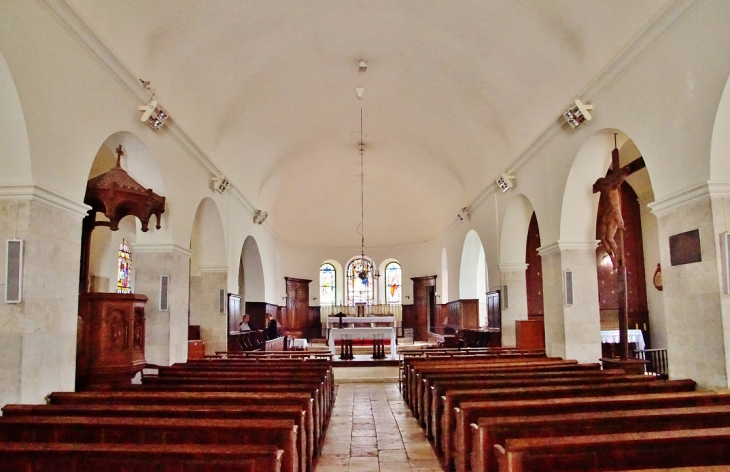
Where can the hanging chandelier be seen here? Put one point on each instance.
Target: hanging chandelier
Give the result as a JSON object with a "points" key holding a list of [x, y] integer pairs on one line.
{"points": [[364, 272]]}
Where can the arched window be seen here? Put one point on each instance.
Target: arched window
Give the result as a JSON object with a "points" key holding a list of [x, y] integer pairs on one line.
{"points": [[360, 284], [327, 284], [124, 268], [393, 284]]}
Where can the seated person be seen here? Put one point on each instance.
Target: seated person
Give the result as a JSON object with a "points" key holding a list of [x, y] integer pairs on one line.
{"points": [[272, 331], [244, 326]]}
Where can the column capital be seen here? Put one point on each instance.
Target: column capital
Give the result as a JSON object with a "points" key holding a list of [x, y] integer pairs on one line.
{"points": [[32, 191], [169, 247], [687, 195], [512, 267], [563, 245], [213, 268]]}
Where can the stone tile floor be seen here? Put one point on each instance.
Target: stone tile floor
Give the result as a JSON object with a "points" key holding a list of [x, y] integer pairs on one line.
{"points": [[373, 430]]}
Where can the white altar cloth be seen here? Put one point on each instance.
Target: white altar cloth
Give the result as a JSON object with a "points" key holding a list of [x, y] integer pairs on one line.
{"points": [[635, 336], [333, 321], [364, 333]]}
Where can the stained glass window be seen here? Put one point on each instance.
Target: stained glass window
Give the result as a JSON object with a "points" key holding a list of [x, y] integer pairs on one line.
{"points": [[124, 269], [327, 284], [393, 283], [360, 284]]}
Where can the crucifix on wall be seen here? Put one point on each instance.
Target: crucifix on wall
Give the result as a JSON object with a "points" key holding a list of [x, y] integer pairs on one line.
{"points": [[611, 232]]}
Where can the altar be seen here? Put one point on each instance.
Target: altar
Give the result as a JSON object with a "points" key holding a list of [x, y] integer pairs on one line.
{"points": [[334, 321], [364, 333], [635, 336]]}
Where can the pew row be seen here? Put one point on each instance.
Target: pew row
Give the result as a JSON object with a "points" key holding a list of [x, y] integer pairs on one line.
{"points": [[305, 448], [616, 452], [85, 457], [455, 425], [496, 430]]}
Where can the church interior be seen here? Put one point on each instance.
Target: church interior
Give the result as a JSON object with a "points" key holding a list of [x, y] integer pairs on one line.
{"points": [[251, 202]]}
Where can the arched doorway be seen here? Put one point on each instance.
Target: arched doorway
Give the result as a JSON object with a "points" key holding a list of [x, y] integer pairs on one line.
{"points": [[208, 276], [473, 274], [251, 283]]}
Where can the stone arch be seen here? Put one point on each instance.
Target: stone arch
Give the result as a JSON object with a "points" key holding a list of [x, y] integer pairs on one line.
{"points": [[720, 146], [208, 239], [514, 230], [208, 276], [14, 145], [251, 284], [473, 277]]}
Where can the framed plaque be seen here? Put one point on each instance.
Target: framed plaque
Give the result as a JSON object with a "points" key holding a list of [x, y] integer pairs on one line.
{"points": [[685, 248]]}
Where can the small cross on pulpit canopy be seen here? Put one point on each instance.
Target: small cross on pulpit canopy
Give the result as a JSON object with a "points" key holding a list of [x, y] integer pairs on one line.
{"points": [[120, 153]]}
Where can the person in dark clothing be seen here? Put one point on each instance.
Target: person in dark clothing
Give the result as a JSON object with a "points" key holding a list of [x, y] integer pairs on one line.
{"points": [[272, 331]]}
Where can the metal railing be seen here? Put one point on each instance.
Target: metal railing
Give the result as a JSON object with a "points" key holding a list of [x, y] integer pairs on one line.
{"points": [[658, 361]]}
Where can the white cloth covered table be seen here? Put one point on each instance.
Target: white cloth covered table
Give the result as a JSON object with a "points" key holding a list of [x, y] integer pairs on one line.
{"points": [[635, 336], [334, 321], [364, 333], [299, 343]]}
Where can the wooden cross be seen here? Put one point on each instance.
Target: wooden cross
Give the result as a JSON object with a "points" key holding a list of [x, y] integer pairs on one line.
{"points": [[120, 153], [611, 233]]}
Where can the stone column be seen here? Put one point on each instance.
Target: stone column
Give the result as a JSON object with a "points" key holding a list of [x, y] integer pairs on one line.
{"points": [[38, 335], [204, 306], [166, 340], [571, 331], [696, 309], [513, 275]]}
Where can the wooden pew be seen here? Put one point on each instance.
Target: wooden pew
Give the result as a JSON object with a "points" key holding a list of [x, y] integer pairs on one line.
{"points": [[415, 368], [314, 389], [83, 429], [440, 388], [455, 426], [79, 457], [615, 452], [493, 409], [416, 376], [305, 448], [496, 430], [302, 399], [431, 397]]}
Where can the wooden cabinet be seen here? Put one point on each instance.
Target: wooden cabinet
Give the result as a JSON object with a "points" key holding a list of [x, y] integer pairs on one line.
{"points": [[110, 338], [196, 349], [462, 314], [296, 321], [424, 306]]}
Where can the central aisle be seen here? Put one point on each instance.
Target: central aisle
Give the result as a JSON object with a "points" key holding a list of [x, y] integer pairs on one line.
{"points": [[373, 430]]}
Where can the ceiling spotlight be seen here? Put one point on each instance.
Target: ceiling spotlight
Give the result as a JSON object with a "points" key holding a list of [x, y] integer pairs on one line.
{"points": [[463, 214], [259, 216], [220, 184], [578, 114], [363, 66], [506, 182]]}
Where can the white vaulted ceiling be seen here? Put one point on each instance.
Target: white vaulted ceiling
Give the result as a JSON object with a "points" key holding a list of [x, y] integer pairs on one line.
{"points": [[454, 93]]}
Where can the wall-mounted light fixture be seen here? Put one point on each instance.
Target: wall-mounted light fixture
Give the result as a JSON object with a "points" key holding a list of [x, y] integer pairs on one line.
{"points": [[220, 184], [506, 182], [154, 116], [578, 114]]}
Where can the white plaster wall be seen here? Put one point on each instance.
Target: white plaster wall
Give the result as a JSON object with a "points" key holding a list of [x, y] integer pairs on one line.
{"points": [[204, 309], [516, 279], [38, 336], [692, 295], [166, 336], [652, 257]]}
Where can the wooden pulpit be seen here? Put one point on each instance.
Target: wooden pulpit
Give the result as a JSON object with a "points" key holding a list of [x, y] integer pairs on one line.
{"points": [[110, 339]]}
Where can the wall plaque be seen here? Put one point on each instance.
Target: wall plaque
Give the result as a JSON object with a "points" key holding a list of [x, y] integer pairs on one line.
{"points": [[685, 248]]}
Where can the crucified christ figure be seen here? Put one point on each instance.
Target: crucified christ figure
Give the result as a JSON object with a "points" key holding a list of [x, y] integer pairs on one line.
{"points": [[611, 220]]}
